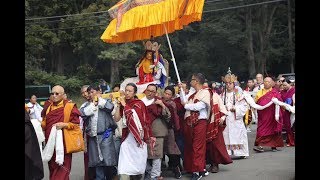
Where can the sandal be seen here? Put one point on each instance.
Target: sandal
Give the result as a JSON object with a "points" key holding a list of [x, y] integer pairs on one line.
{"points": [[258, 149]]}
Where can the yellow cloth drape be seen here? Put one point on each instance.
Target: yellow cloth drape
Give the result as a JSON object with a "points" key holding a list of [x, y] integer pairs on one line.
{"points": [[145, 63], [261, 93], [144, 21]]}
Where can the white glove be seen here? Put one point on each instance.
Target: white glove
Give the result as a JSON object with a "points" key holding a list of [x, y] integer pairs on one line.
{"points": [[151, 66]]}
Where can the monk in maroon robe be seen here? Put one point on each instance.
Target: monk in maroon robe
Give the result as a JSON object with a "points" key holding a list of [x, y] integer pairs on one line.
{"points": [[287, 98], [196, 118], [269, 131], [127, 104], [54, 116], [170, 146], [216, 147], [141, 110]]}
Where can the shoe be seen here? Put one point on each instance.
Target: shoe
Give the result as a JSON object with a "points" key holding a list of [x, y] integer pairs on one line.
{"points": [[243, 157], [204, 173], [157, 178], [273, 149], [214, 168], [196, 176], [258, 149], [177, 173]]}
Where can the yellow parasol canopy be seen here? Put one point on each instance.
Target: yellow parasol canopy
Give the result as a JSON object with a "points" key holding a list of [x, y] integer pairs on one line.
{"points": [[135, 20], [141, 19]]}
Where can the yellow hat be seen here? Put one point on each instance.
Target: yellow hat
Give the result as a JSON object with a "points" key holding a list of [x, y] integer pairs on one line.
{"points": [[229, 77]]}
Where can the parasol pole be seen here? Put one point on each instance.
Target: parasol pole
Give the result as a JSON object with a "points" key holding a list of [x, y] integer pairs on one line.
{"points": [[174, 64]]}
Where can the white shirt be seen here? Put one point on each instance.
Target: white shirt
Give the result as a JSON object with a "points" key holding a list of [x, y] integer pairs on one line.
{"points": [[199, 106], [147, 101], [256, 89], [35, 111]]}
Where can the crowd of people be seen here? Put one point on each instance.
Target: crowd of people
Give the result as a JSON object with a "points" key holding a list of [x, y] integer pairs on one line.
{"points": [[128, 138]]}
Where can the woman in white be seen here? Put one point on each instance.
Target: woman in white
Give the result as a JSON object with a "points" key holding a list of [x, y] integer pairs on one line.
{"points": [[235, 133]]}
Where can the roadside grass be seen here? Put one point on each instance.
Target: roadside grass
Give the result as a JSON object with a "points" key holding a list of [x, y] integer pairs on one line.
{"points": [[76, 98]]}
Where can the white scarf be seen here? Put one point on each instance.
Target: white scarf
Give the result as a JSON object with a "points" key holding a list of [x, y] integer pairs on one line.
{"points": [[39, 132], [138, 123], [55, 141], [251, 102], [288, 107]]}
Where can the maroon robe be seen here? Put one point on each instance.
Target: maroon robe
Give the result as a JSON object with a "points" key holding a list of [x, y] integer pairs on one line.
{"points": [[174, 120], [60, 172], [141, 111], [47, 103], [269, 130], [170, 146], [195, 144], [180, 111], [216, 148], [154, 111], [286, 116], [195, 147]]}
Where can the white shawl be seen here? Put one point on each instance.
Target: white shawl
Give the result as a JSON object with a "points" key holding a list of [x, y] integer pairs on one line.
{"points": [[55, 141]]}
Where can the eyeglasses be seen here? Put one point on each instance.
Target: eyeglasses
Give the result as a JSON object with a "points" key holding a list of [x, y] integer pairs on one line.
{"points": [[150, 91], [54, 93]]}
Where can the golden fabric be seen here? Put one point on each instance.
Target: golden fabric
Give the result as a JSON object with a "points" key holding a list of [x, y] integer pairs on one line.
{"points": [[145, 63], [53, 107], [144, 21], [261, 93]]}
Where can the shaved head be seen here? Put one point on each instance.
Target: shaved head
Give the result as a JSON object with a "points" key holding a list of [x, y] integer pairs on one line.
{"points": [[58, 89], [259, 78], [268, 82], [58, 93]]}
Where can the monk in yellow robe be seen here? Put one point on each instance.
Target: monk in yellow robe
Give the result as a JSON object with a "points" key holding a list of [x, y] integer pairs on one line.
{"points": [[145, 68]]}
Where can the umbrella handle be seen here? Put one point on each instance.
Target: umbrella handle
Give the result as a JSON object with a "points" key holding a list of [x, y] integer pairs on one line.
{"points": [[174, 64]]}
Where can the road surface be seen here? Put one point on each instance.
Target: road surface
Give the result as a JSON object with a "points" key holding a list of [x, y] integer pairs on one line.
{"points": [[268, 165]]}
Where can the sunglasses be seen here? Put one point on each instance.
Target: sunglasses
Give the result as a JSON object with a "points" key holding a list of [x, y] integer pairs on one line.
{"points": [[54, 93]]}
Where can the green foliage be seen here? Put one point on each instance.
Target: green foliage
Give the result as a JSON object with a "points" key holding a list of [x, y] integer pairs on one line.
{"points": [[118, 52], [71, 84], [210, 46]]}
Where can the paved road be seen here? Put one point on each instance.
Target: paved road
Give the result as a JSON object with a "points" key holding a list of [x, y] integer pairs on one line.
{"points": [[268, 165]]}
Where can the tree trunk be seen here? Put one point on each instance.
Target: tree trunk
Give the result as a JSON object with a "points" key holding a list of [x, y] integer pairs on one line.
{"points": [[264, 36], [261, 53], [52, 67], [60, 64], [290, 37], [114, 72], [252, 68]]}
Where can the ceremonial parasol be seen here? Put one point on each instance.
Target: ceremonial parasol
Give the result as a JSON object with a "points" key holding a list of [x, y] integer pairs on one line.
{"points": [[134, 20]]}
